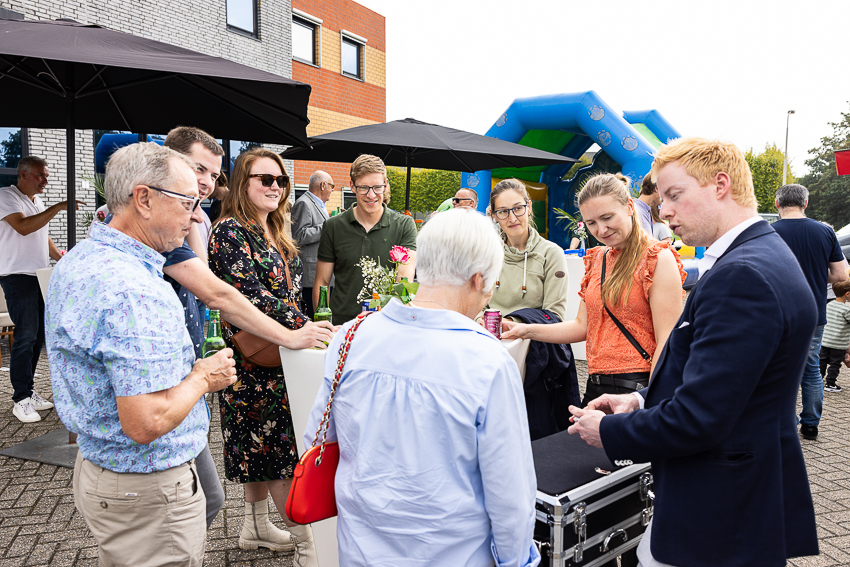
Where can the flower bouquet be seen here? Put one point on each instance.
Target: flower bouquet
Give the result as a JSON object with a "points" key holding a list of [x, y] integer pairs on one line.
{"points": [[574, 224], [382, 282]]}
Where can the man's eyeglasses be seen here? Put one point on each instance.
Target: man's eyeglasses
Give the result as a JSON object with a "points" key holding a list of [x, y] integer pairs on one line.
{"points": [[456, 200], [266, 179], [518, 211], [364, 189], [332, 186], [189, 203]]}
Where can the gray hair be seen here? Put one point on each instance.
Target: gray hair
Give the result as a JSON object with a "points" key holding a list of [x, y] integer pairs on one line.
{"points": [[454, 246], [145, 163], [27, 163], [317, 179], [792, 195]]}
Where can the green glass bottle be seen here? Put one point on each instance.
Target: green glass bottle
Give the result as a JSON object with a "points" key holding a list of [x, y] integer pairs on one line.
{"points": [[323, 312], [214, 342]]}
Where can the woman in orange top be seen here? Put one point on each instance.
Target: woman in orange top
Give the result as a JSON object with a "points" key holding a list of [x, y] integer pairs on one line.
{"points": [[642, 289]]}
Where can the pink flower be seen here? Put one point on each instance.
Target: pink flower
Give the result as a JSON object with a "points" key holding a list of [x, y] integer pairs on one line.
{"points": [[399, 255], [101, 216], [580, 225]]}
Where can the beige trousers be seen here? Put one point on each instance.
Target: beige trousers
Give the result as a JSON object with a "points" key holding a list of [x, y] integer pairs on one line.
{"points": [[143, 519]]}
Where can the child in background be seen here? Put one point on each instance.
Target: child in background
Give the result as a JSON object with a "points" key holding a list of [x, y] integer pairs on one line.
{"points": [[836, 336]]}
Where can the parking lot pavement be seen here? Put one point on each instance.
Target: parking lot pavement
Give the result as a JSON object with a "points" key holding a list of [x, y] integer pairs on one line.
{"points": [[40, 526]]}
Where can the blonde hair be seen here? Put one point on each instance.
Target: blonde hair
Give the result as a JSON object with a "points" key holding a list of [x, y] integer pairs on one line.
{"points": [[238, 205], [511, 185], [704, 159], [618, 286], [366, 164]]}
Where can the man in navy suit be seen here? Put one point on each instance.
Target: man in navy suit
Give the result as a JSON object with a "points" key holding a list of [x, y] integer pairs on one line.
{"points": [[717, 421]]}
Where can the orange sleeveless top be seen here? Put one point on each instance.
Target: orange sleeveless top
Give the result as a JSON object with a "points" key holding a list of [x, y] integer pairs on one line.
{"points": [[608, 350]]}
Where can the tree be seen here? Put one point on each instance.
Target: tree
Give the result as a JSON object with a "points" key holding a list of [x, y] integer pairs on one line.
{"points": [[767, 175], [11, 152], [428, 188], [828, 192]]}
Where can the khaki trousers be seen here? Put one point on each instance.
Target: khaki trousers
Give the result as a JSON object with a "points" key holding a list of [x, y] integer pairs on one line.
{"points": [[143, 519]]}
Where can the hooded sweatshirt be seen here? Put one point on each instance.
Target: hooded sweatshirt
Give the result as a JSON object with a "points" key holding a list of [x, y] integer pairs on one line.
{"points": [[542, 268]]}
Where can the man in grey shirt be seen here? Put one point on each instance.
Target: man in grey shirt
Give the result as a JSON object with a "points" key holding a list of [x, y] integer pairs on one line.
{"points": [[308, 215], [648, 198]]}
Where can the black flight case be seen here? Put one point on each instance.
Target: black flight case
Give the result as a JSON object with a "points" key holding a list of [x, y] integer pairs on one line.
{"points": [[589, 510]]}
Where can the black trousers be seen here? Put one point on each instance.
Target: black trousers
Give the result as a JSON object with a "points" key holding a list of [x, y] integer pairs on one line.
{"points": [[830, 363]]}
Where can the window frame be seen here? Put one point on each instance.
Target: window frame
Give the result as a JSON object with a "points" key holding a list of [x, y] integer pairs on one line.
{"points": [[359, 42], [255, 8], [309, 21]]}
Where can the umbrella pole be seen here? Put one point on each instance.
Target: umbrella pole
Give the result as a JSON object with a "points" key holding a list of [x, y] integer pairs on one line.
{"points": [[407, 188], [70, 159]]}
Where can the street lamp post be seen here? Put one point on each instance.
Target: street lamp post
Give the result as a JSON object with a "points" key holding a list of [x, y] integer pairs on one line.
{"points": [[785, 158]]}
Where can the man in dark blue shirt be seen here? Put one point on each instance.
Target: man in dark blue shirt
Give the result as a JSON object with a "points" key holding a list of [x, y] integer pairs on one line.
{"points": [[816, 248]]}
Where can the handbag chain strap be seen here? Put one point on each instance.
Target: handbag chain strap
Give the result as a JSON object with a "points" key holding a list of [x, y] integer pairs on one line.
{"points": [[343, 355], [620, 326]]}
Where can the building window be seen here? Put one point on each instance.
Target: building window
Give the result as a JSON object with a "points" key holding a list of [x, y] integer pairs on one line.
{"points": [[242, 16], [352, 54], [13, 146], [306, 39]]}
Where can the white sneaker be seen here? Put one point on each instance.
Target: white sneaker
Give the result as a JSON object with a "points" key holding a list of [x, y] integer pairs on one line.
{"points": [[25, 411], [40, 403]]}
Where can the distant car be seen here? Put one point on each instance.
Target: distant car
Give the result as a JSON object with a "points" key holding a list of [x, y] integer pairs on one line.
{"points": [[844, 242]]}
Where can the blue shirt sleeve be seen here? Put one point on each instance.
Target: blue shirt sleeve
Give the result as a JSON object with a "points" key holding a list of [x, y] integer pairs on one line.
{"points": [[836, 255], [179, 255]]}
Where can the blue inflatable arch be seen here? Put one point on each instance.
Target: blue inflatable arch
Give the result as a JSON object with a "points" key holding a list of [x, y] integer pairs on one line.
{"points": [[569, 124]]}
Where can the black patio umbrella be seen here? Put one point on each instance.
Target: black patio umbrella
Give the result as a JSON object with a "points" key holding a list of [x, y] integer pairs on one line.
{"points": [[412, 143], [63, 74]]}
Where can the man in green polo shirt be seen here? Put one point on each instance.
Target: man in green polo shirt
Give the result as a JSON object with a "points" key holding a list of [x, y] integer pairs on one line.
{"points": [[368, 229]]}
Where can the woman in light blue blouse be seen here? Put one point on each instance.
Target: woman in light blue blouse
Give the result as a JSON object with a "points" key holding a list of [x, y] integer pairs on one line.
{"points": [[435, 458]]}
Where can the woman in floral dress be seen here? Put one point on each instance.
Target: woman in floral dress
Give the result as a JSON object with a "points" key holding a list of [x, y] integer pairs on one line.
{"points": [[251, 250]]}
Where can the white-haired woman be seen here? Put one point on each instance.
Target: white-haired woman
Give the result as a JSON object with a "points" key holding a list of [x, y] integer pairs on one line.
{"points": [[435, 457]]}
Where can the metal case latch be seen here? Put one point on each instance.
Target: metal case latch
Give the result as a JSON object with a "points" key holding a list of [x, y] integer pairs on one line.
{"points": [[580, 527], [647, 496]]}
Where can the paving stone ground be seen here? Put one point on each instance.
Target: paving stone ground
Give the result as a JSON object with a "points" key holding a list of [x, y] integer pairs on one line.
{"points": [[40, 526]]}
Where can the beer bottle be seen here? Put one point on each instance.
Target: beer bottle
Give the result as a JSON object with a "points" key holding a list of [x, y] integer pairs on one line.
{"points": [[214, 341], [323, 312]]}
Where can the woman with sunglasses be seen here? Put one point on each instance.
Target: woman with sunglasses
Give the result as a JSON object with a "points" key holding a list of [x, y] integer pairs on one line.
{"points": [[642, 289], [532, 286], [251, 249]]}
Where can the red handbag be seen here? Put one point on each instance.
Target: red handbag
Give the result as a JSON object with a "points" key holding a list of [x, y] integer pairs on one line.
{"points": [[311, 496]]}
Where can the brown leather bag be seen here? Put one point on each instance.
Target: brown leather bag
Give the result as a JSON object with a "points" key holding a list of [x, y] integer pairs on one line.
{"points": [[257, 350]]}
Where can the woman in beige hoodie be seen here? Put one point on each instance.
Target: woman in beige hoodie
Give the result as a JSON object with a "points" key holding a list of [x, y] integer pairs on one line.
{"points": [[535, 271]]}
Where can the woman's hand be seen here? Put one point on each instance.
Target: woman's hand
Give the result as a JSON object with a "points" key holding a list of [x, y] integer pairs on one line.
{"points": [[312, 335], [513, 330]]}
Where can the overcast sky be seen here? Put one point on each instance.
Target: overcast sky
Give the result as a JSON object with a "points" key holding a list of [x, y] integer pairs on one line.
{"points": [[721, 69]]}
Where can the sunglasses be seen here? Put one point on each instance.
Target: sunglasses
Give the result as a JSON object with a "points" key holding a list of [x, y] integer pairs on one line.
{"points": [[189, 203], [266, 179], [456, 200]]}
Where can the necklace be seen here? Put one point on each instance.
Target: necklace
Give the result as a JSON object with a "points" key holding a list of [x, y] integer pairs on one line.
{"points": [[431, 301]]}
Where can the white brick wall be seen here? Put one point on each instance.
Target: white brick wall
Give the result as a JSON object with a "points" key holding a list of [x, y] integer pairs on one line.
{"points": [[191, 24]]}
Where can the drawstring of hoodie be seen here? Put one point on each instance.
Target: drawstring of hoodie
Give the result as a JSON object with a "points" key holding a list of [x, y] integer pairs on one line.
{"points": [[524, 264]]}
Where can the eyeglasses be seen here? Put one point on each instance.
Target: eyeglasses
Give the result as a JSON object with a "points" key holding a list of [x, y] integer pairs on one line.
{"points": [[333, 186], [364, 189], [518, 211], [456, 200], [189, 203], [266, 179]]}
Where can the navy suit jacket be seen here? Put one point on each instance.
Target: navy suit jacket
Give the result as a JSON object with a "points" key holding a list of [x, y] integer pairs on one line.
{"points": [[718, 426]]}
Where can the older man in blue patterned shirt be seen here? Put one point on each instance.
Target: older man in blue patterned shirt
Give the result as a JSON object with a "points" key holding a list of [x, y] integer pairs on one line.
{"points": [[122, 368]]}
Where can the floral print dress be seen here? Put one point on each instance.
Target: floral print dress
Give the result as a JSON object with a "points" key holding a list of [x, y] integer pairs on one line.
{"points": [[256, 423]]}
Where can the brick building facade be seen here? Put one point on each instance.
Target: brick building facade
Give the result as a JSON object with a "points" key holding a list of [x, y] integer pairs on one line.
{"points": [[339, 47], [250, 32]]}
